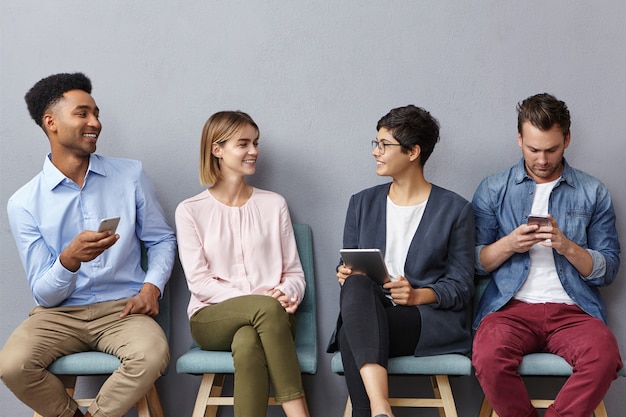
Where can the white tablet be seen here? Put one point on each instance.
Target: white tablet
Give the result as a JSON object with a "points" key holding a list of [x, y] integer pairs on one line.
{"points": [[369, 262]]}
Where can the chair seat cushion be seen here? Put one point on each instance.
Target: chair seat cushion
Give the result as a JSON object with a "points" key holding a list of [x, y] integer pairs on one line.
{"points": [[449, 364], [198, 361], [85, 363]]}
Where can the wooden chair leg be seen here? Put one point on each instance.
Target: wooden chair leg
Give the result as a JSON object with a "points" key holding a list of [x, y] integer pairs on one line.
{"points": [[210, 386], [600, 410], [154, 403], [486, 410], [435, 385], [441, 386], [142, 407]]}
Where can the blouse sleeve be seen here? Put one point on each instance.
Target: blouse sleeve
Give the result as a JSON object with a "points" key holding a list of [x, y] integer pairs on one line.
{"points": [[203, 283], [292, 280]]}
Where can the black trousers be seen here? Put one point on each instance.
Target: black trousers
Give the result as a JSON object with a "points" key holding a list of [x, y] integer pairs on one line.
{"points": [[372, 331]]}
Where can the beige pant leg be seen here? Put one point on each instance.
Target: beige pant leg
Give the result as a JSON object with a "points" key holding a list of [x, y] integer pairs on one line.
{"points": [[48, 333], [140, 343]]}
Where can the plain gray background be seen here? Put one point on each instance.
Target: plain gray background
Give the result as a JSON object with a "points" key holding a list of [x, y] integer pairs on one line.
{"points": [[316, 76]]}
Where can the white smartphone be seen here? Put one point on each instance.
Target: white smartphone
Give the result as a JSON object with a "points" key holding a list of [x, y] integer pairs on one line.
{"points": [[110, 223]]}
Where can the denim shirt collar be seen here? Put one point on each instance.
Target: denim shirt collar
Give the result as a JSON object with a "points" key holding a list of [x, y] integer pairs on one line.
{"points": [[567, 176]]}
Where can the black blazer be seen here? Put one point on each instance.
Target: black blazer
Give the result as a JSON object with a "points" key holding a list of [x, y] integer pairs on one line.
{"points": [[440, 257]]}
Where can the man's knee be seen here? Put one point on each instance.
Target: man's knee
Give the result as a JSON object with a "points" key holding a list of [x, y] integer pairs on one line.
{"points": [[149, 354], [491, 353], [602, 355], [10, 369]]}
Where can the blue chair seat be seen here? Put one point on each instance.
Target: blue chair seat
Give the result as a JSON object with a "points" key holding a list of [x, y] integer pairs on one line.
{"points": [[450, 364], [197, 362], [85, 363]]}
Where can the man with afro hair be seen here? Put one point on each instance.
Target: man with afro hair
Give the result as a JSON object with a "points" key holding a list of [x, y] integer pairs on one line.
{"points": [[89, 286]]}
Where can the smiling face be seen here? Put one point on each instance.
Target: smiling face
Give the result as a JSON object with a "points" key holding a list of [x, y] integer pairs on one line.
{"points": [[72, 125], [394, 162], [543, 151], [238, 155]]}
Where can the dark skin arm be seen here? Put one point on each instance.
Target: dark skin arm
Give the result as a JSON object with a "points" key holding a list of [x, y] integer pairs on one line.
{"points": [[145, 302], [87, 246]]}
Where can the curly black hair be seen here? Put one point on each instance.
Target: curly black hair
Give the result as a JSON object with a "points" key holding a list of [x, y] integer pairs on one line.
{"points": [[49, 90]]}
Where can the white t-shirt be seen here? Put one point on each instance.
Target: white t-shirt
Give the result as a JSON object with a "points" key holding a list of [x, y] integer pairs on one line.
{"points": [[402, 223], [543, 284]]}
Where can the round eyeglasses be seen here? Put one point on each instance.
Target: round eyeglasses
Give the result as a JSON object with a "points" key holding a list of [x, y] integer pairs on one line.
{"points": [[381, 146]]}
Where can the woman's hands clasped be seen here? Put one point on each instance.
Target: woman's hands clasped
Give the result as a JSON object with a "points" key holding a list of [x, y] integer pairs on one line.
{"points": [[290, 304]]}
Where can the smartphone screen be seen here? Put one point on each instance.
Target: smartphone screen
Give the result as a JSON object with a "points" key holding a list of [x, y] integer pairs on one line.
{"points": [[110, 223]]}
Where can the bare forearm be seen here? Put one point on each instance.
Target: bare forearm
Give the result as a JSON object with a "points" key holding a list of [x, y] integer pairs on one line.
{"points": [[494, 255]]}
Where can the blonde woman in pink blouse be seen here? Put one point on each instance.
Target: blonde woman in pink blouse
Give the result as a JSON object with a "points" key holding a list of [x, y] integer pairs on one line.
{"points": [[238, 251]]}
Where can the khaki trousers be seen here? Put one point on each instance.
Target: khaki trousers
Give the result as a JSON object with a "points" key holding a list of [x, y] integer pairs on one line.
{"points": [[50, 333]]}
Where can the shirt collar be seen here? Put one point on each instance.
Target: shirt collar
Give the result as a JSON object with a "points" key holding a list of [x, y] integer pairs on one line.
{"points": [[54, 177], [521, 175]]}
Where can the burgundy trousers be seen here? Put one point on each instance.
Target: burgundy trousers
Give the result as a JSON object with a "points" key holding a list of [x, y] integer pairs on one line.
{"points": [[585, 342]]}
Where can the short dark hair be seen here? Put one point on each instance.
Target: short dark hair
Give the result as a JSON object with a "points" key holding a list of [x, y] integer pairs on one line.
{"points": [[49, 90], [544, 111], [412, 125]]}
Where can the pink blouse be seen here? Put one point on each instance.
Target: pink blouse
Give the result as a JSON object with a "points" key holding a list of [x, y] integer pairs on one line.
{"points": [[228, 251]]}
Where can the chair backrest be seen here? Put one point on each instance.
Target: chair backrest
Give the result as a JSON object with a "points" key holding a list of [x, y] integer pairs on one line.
{"points": [[480, 284], [306, 323]]}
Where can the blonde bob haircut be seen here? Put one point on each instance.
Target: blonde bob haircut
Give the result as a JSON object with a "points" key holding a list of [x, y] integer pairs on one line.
{"points": [[218, 129]]}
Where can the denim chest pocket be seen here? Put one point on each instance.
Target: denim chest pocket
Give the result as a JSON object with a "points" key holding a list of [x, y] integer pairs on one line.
{"points": [[576, 224]]}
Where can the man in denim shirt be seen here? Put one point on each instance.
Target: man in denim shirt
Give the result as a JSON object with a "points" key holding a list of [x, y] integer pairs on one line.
{"points": [[544, 294]]}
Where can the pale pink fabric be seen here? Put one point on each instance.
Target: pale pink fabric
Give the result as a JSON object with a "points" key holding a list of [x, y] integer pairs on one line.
{"points": [[233, 251]]}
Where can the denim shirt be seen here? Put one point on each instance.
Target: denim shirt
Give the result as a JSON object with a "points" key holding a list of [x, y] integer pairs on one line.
{"points": [[582, 207]]}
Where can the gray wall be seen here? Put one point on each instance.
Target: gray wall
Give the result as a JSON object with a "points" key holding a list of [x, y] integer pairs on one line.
{"points": [[316, 76]]}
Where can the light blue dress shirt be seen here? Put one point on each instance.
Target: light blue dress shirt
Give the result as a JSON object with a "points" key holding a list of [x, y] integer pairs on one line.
{"points": [[48, 212], [583, 210]]}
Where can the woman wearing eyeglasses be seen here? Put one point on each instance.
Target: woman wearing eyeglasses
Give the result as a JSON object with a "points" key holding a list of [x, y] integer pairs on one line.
{"points": [[238, 250], [426, 234]]}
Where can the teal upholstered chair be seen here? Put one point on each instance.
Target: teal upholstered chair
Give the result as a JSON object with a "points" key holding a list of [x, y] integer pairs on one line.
{"points": [[92, 363], [537, 365], [438, 367], [214, 365]]}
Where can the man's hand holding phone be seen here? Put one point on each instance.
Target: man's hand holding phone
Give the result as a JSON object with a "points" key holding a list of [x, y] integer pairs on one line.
{"points": [[539, 219], [110, 223], [89, 244]]}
